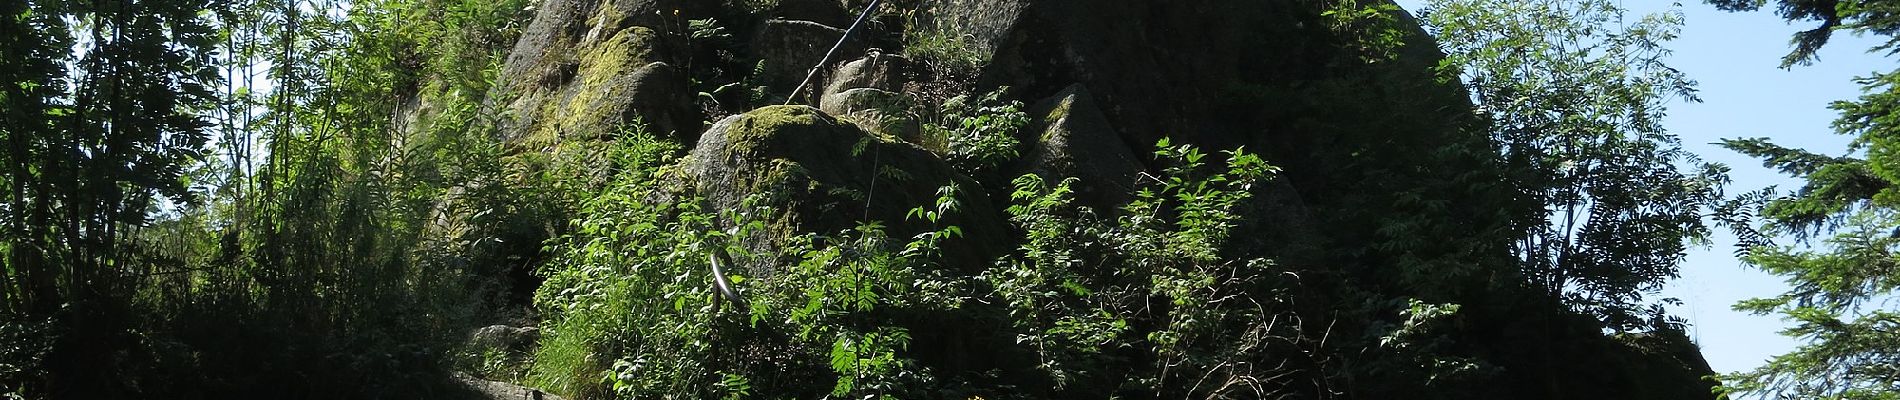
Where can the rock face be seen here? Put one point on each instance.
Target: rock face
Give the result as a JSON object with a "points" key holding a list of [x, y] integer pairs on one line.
{"points": [[878, 110], [1347, 122], [868, 91], [814, 173], [988, 23], [1219, 74], [876, 70], [1073, 139], [791, 48], [583, 70]]}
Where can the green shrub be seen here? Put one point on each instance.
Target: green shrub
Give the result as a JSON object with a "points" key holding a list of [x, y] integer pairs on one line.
{"points": [[1092, 296], [1142, 304], [977, 135], [630, 311], [941, 49]]}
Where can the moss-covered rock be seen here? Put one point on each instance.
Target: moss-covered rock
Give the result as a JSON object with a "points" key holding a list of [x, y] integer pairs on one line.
{"points": [[1073, 140], [877, 110], [585, 70], [614, 85], [817, 174]]}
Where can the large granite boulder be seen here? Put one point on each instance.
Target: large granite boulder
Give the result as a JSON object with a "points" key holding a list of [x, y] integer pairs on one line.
{"points": [[817, 174], [1072, 139]]}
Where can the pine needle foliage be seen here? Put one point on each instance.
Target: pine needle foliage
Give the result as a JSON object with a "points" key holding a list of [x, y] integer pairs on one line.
{"points": [[1839, 263]]}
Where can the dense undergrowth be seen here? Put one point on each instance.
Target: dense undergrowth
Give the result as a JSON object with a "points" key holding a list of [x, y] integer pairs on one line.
{"points": [[1090, 306]]}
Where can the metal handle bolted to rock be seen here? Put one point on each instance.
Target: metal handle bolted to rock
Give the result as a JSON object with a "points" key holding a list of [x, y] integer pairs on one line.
{"points": [[829, 53], [721, 284]]}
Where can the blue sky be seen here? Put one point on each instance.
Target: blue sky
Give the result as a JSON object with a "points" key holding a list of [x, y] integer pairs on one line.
{"points": [[1735, 57]]}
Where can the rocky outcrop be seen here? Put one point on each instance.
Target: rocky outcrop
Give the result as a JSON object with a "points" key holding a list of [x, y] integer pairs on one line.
{"points": [[1221, 75], [1353, 129], [814, 173]]}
